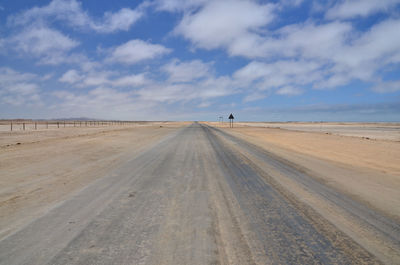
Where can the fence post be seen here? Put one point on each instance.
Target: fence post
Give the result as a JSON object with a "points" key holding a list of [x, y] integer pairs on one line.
{"points": [[23, 125], [35, 125], [58, 124], [64, 124], [11, 125]]}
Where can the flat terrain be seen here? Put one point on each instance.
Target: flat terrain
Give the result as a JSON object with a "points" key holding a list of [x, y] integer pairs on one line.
{"points": [[198, 193], [381, 131]]}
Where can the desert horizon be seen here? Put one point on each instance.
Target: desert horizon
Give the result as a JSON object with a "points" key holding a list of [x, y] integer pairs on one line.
{"points": [[201, 132]]}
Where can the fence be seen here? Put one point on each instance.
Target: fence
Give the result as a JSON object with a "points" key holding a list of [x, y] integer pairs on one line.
{"points": [[25, 125]]}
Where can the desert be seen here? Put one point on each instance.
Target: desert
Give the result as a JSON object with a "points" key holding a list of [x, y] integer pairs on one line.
{"points": [[44, 170], [201, 132]]}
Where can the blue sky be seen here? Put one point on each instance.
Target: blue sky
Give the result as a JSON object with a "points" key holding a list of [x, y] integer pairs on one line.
{"points": [[285, 60]]}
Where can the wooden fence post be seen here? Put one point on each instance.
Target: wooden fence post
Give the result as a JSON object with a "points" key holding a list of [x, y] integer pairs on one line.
{"points": [[35, 125], [11, 125], [23, 125]]}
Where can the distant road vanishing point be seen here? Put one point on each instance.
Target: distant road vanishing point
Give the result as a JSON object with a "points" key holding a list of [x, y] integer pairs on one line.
{"points": [[203, 196]]}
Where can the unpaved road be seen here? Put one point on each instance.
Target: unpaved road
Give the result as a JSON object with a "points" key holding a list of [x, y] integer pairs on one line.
{"points": [[203, 196]]}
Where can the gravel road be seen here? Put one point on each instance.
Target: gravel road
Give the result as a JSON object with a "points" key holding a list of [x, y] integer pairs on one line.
{"points": [[196, 198]]}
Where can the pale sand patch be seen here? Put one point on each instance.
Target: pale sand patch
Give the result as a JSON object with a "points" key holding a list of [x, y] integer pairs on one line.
{"points": [[368, 170], [49, 166], [380, 131]]}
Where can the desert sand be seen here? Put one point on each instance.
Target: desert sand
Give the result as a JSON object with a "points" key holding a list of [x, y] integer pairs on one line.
{"points": [[368, 169], [41, 168], [209, 194]]}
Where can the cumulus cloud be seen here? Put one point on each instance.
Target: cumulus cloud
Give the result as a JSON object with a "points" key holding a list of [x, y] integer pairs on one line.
{"points": [[71, 76], [100, 102], [95, 78], [186, 71], [221, 24], [133, 80], [121, 20], [339, 52], [289, 91], [205, 89], [253, 96], [178, 5], [137, 50], [18, 88], [267, 76], [71, 12], [387, 86], [43, 42], [354, 8]]}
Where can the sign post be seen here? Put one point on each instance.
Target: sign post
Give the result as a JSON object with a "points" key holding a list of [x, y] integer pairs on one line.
{"points": [[221, 120], [231, 120]]}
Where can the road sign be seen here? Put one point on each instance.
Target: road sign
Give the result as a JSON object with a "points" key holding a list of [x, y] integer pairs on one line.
{"points": [[231, 120]]}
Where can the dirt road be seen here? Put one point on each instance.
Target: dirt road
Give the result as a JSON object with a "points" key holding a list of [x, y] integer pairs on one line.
{"points": [[202, 196]]}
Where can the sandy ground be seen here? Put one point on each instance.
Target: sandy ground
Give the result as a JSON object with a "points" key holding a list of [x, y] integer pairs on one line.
{"points": [[41, 168], [381, 131], [367, 169], [196, 197], [183, 193]]}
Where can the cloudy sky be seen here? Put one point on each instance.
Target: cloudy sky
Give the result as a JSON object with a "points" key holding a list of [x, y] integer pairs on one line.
{"points": [[200, 59]]}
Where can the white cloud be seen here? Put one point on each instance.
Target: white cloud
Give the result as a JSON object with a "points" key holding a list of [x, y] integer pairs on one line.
{"points": [[131, 80], [23, 88], [18, 88], [289, 91], [103, 103], [291, 2], [121, 20], [178, 5], [43, 42], [354, 8], [333, 81], [253, 96], [381, 44], [222, 24], [182, 92], [9, 76], [71, 76], [95, 78], [71, 12], [387, 86], [265, 76], [204, 104], [47, 76], [339, 54], [310, 40], [186, 71], [137, 50]]}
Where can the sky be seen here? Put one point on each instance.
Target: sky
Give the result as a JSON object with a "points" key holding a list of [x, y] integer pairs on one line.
{"points": [[283, 60]]}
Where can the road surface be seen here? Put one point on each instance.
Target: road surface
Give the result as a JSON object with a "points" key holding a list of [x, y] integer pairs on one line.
{"points": [[196, 198]]}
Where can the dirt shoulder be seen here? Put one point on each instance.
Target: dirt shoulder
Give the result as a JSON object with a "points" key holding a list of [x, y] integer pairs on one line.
{"points": [[367, 170], [48, 166], [378, 131]]}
